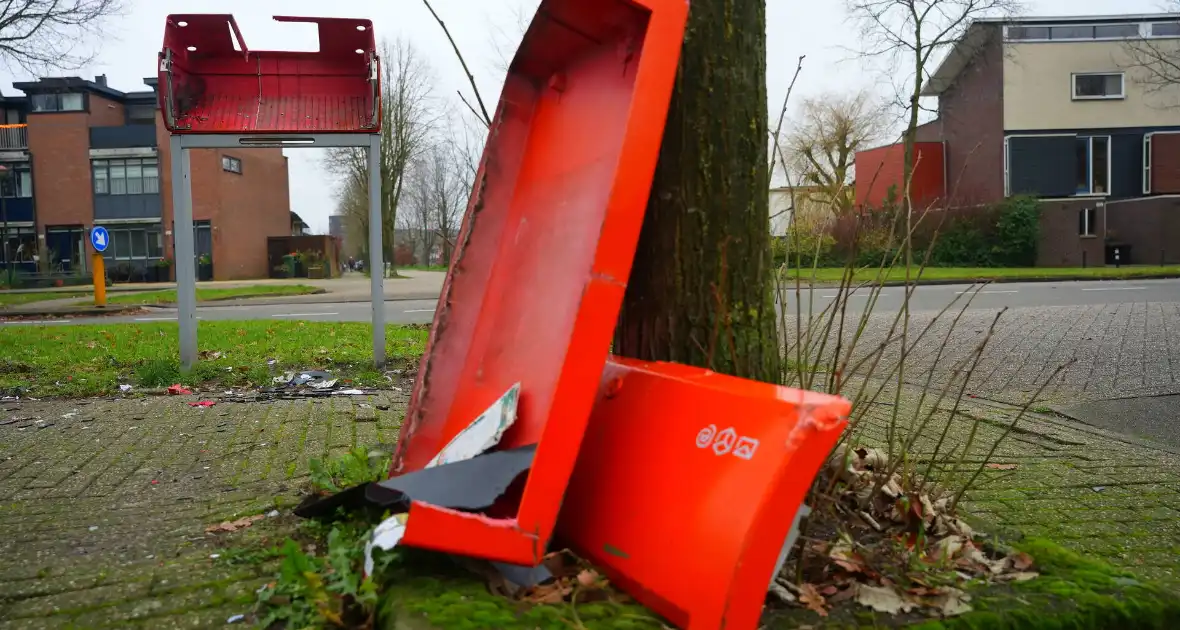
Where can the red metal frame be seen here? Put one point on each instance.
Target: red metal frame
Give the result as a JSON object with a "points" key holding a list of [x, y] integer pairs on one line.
{"points": [[207, 85], [536, 283], [687, 484]]}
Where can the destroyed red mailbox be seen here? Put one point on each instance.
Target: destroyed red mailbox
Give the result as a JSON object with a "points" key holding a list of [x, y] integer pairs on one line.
{"points": [[544, 252], [688, 482]]}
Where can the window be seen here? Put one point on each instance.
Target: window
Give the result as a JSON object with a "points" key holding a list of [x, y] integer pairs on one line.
{"points": [[134, 243], [1028, 32], [1087, 221], [1147, 164], [1116, 31], [17, 181], [141, 113], [1107, 85], [57, 102], [126, 177], [1071, 32], [21, 245], [1093, 165], [231, 164], [1165, 29]]}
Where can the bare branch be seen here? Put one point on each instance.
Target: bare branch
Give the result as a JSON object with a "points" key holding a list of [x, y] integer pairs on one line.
{"points": [[42, 35], [470, 78]]}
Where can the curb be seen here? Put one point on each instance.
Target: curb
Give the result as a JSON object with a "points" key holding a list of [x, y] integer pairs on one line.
{"points": [[1009, 280], [412, 297], [59, 312]]}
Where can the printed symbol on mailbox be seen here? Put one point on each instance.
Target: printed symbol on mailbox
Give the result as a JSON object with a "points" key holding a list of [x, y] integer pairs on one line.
{"points": [[724, 442], [705, 437], [745, 448]]}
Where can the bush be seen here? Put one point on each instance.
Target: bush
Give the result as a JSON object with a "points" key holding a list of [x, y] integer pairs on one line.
{"points": [[1017, 232]]}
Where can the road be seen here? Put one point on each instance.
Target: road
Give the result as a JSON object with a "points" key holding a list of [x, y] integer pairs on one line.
{"points": [[925, 298]]}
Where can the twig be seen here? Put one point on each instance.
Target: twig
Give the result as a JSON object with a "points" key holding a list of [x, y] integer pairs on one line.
{"points": [[778, 129], [477, 116], [487, 120]]}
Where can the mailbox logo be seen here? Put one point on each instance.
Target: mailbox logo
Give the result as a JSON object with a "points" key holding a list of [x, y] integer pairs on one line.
{"points": [[726, 441]]}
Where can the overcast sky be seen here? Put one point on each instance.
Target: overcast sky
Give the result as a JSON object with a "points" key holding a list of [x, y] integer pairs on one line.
{"points": [[486, 30]]}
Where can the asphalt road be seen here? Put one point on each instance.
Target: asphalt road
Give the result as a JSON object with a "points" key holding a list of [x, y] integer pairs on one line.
{"points": [[924, 299]]}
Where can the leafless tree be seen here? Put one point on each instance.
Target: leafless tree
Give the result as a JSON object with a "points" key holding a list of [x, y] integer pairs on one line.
{"points": [[437, 191], [1156, 62], [410, 117], [821, 146], [40, 35], [910, 34]]}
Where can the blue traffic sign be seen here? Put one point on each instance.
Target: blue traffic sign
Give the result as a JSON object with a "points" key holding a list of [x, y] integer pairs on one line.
{"points": [[99, 238]]}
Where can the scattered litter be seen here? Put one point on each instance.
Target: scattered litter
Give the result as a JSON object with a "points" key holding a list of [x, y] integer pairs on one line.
{"points": [[70, 414], [125, 388], [349, 392], [232, 526], [479, 436], [94, 528], [235, 618], [207, 354], [1003, 466], [1098, 488], [202, 403], [214, 556], [179, 390], [272, 513]]}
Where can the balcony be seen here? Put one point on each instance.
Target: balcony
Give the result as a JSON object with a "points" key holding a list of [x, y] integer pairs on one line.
{"points": [[14, 137]]}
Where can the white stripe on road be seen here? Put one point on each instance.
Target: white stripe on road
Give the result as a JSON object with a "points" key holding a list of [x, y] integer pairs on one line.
{"points": [[858, 295], [962, 292], [304, 314], [1118, 289], [420, 310], [155, 319], [38, 322]]}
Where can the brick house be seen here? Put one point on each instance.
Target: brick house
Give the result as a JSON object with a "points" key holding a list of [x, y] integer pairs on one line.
{"points": [[1056, 108], [79, 153]]}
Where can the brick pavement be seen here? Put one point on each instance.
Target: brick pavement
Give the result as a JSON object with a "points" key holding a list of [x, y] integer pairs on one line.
{"points": [[103, 504]]}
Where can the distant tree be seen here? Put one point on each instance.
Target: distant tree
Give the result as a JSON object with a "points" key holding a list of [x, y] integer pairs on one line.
{"points": [[1157, 60], [821, 147], [41, 35]]}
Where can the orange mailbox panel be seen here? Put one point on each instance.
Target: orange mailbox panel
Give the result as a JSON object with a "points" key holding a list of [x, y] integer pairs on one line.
{"points": [[545, 249], [687, 484], [210, 82]]}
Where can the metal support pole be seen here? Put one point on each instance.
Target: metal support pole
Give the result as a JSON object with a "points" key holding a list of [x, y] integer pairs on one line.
{"points": [[376, 266], [186, 266]]}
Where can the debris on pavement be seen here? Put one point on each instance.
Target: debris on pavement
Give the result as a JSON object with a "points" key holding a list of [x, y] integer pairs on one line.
{"points": [[125, 388], [179, 390], [235, 618], [202, 403], [232, 526]]}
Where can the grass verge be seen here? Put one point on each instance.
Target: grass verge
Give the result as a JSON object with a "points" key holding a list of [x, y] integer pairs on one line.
{"points": [[93, 359], [17, 299], [212, 295], [834, 275]]}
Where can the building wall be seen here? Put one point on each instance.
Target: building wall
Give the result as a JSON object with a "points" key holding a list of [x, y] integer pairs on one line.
{"points": [[1149, 226], [59, 144], [1165, 163], [1060, 244], [882, 168], [971, 114], [105, 112], [1038, 88]]}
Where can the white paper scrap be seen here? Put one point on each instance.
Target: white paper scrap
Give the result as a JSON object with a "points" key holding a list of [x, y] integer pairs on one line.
{"points": [[479, 436]]}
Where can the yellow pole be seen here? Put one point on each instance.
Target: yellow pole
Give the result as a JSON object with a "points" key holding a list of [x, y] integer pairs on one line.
{"points": [[100, 280]]}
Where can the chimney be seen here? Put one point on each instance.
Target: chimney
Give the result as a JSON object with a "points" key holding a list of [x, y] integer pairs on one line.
{"points": [[101, 80]]}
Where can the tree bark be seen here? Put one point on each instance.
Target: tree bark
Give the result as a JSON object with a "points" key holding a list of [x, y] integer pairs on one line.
{"points": [[700, 290]]}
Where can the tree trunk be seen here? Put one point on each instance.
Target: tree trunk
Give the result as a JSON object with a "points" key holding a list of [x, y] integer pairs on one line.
{"points": [[700, 290]]}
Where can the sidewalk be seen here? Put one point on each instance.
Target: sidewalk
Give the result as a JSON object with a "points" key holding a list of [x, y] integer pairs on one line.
{"points": [[104, 504]]}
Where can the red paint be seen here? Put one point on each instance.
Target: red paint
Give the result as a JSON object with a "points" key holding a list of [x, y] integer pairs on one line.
{"points": [[677, 503], [883, 167], [214, 88], [534, 290]]}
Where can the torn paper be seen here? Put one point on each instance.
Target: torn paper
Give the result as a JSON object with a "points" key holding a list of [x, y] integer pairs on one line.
{"points": [[479, 436]]}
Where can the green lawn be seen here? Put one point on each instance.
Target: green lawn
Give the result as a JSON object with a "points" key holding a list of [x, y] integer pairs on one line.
{"points": [[1000, 274], [15, 299], [210, 295], [93, 359]]}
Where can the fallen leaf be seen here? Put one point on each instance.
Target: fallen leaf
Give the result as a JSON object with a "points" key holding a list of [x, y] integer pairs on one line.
{"points": [[588, 578], [551, 593], [953, 602], [882, 599], [1021, 561], [230, 526], [1019, 576], [1003, 466], [810, 597]]}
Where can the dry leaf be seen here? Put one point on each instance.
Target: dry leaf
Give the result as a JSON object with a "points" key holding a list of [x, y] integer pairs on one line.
{"points": [[230, 526], [882, 599], [551, 593], [1021, 561], [811, 598], [953, 602], [1003, 466], [588, 578]]}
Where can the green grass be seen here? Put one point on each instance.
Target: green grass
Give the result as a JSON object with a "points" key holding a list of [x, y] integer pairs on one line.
{"points": [[1000, 274], [16, 299], [211, 295], [93, 359]]}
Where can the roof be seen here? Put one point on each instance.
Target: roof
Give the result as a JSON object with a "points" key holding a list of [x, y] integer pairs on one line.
{"points": [[976, 36], [58, 84]]}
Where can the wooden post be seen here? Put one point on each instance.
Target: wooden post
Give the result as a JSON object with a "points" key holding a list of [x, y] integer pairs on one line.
{"points": [[100, 280]]}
